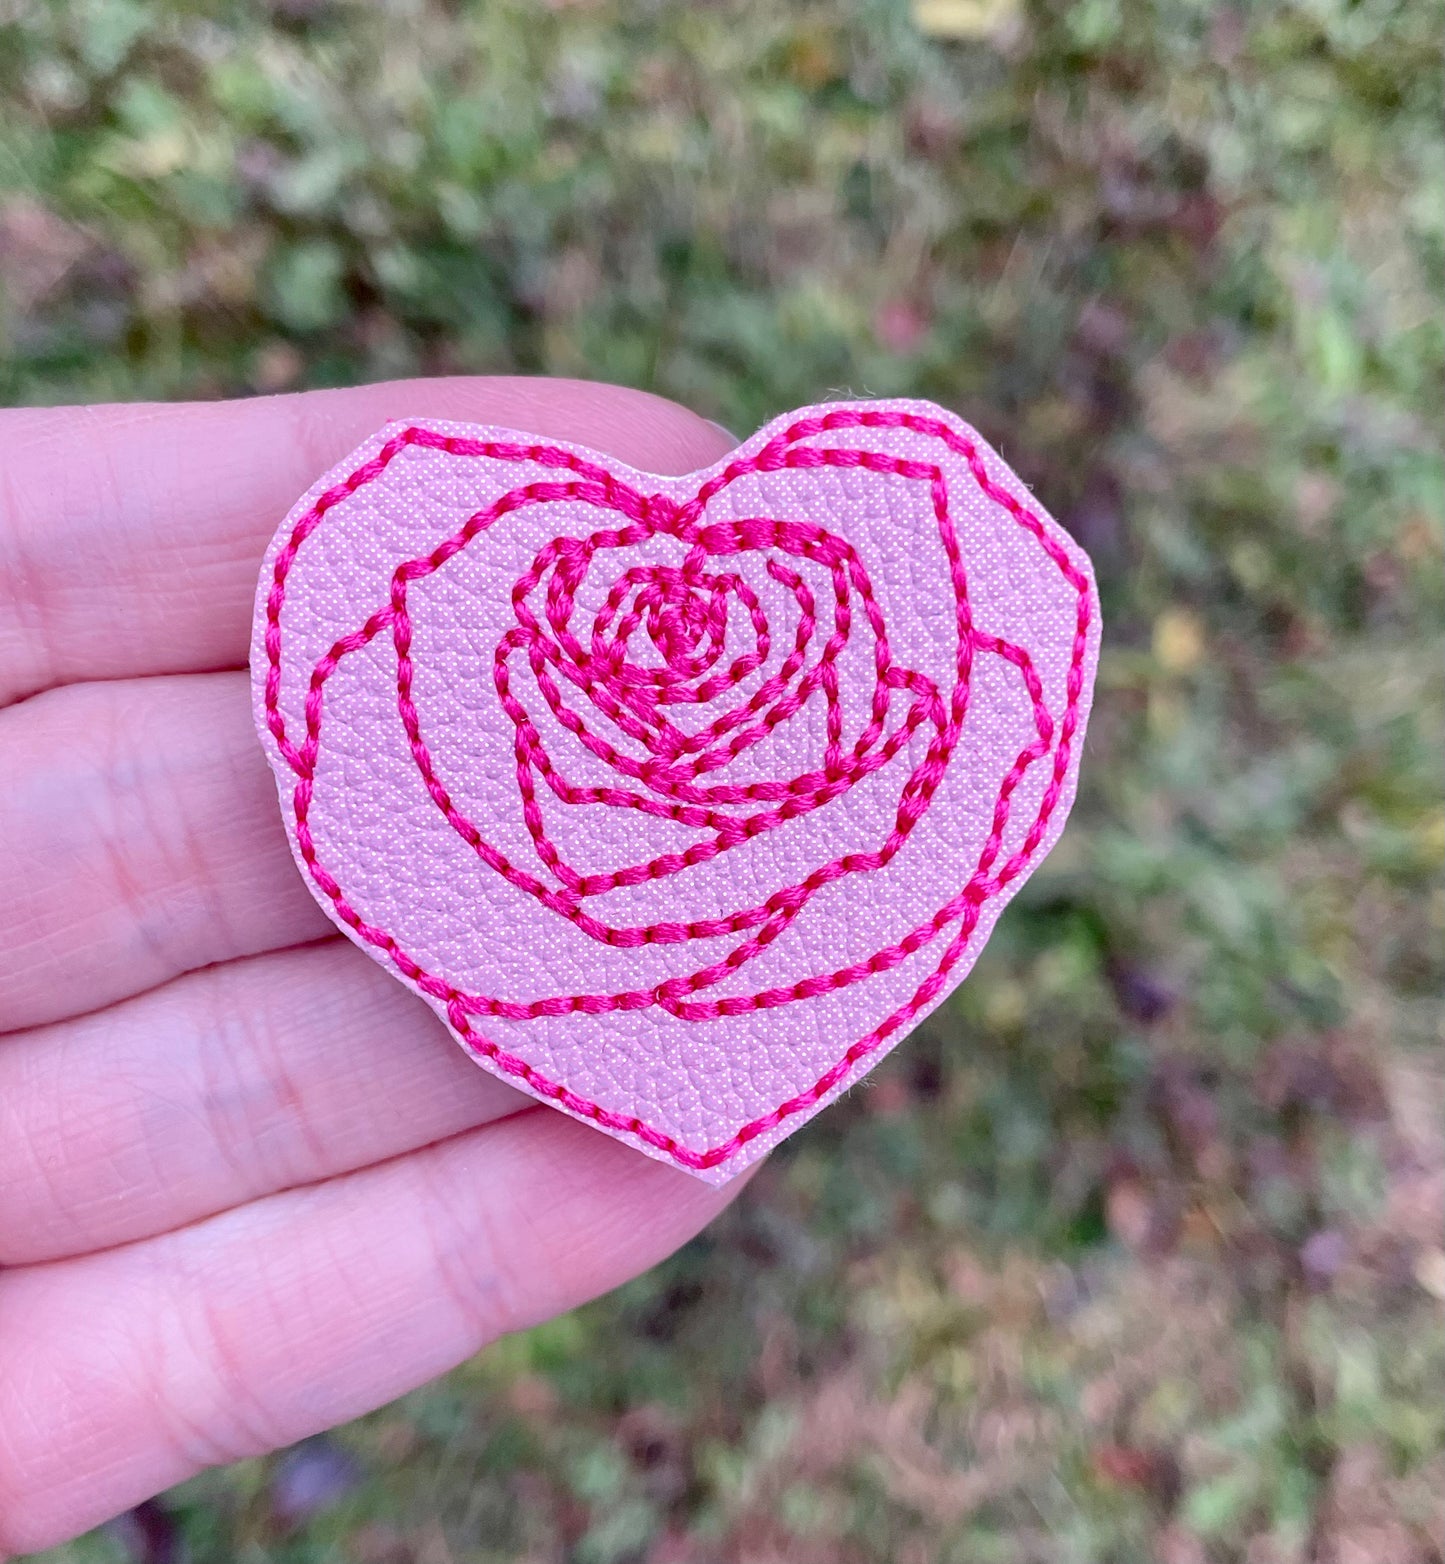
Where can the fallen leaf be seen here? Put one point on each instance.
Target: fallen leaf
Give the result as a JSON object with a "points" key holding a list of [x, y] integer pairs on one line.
{"points": [[963, 18]]}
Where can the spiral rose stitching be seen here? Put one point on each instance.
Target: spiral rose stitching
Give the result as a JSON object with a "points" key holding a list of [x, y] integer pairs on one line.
{"points": [[685, 612]]}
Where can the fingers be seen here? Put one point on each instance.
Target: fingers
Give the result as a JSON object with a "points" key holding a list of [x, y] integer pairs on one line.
{"points": [[124, 1372], [130, 536], [221, 1087], [139, 838]]}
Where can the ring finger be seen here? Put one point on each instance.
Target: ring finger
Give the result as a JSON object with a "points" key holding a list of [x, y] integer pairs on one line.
{"points": [[223, 1086]]}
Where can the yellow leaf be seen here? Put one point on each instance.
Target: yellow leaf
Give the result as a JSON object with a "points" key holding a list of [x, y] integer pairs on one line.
{"points": [[963, 18], [1178, 640]]}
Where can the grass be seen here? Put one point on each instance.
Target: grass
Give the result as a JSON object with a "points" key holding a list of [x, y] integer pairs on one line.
{"points": [[1134, 1253]]}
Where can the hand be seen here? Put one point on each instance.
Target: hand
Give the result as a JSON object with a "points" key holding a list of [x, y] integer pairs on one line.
{"points": [[249, 1187]]}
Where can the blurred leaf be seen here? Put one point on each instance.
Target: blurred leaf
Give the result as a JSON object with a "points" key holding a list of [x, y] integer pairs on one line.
{"points": [[304, 284]]}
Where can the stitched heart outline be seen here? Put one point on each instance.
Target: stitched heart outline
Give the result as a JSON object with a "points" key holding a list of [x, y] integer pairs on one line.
{"points": [[683, 611]]}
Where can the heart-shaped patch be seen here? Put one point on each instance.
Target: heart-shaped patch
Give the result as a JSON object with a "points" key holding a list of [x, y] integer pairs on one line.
{"points": [[680, 800]]}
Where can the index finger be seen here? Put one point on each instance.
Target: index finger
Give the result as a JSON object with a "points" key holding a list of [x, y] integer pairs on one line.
{"points": [[130, 535]]}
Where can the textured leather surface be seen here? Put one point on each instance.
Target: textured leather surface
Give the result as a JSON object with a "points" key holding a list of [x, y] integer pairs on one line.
{"points": [[680, 800]]}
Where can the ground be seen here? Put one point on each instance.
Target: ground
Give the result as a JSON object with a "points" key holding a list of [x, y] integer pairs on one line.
{"points": [[1136, 1252]]}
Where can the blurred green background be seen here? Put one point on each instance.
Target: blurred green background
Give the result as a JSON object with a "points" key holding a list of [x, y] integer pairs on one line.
{"points": [[1137, 1251]]}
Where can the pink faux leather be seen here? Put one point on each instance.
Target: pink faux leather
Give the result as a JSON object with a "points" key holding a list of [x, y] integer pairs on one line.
{"points": [[680, 800]]}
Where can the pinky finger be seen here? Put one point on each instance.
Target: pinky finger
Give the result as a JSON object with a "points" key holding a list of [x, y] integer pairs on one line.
{"points": [[125, 1372]]}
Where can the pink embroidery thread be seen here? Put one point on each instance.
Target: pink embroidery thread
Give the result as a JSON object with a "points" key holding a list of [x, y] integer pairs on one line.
{"points": [[684, 610]]}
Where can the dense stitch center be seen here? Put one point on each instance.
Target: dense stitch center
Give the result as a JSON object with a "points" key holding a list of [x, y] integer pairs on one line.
{"points": [[684, 615], [687, 624]]}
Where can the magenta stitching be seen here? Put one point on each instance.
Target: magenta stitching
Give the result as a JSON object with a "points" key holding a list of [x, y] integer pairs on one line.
{"points": [[684, 611]]}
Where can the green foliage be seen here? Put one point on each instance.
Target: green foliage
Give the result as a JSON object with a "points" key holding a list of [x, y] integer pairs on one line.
{"points": [[1134, 1253]]}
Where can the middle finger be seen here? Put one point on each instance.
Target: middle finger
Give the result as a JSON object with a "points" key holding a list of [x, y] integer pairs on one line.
{"points": [[139, 838]]}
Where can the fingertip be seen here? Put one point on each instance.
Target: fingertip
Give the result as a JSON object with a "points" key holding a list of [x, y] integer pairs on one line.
{"points": [[647, 431], [557, 1168]]}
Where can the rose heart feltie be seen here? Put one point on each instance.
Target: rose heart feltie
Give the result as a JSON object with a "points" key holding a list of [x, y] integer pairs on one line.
{"points": [[680, 800]]}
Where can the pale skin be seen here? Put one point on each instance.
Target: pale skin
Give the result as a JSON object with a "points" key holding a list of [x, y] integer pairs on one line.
{"points": [[249, 1187]]}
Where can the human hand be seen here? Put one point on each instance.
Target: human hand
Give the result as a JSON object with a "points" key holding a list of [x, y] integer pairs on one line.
{"points": [[249, 1187]]}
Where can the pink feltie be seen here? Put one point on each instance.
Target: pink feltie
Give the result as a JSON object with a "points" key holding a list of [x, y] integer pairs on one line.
{"points": [[680, 800]]}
